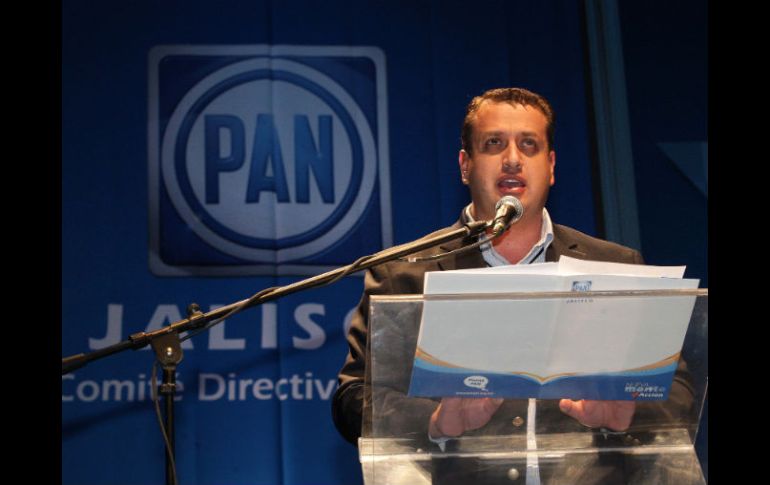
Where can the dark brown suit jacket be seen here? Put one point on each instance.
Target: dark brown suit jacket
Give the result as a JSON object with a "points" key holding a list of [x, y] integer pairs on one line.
{"points": [[407, 278]]}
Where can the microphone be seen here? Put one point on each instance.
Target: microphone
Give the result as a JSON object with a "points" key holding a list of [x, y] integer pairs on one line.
{"points": [[508, 210]]}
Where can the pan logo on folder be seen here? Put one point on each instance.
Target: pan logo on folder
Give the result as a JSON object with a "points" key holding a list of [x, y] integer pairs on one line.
{"points": [[606, 348], [581, 285]]}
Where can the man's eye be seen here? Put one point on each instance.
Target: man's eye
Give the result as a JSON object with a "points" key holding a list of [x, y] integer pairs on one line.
{"points": [[528, 145], [494, 144]]}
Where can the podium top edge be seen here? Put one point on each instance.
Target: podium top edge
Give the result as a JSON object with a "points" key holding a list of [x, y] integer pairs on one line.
{"points": [[698, 292]]}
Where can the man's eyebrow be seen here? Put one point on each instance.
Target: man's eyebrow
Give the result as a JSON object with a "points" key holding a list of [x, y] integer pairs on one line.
{"points": [[491, 133], [529, 133], [501, 133]]}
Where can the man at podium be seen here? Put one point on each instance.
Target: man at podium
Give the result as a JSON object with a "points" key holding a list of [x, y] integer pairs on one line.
{"points": [[507, 149]]}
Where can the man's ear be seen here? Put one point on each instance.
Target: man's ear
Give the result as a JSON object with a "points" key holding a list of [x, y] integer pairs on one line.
{"points": [[552, 162], [464, 160]]}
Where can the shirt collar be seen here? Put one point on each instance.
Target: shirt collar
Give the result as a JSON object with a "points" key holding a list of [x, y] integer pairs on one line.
{"points": [[535, 255]]}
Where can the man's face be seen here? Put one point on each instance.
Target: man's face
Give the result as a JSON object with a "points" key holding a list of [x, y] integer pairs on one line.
{"points": [[510, 156]]}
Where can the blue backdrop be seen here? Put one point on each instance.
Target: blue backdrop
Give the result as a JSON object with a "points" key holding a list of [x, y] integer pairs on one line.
{"points": [[254, 406]]}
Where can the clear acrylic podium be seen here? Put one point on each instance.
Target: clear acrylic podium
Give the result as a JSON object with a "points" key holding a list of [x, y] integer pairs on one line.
{"points": [[528, 441]]}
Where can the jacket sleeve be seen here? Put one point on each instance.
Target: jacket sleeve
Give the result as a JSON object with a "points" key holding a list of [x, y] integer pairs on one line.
{"points": [[347, 403], [397, 415]]}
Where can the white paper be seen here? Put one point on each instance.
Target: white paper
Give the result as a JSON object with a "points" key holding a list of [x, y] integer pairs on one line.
{"points": [[547, 339]]}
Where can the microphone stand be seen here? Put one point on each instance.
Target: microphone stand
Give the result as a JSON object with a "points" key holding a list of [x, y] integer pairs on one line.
{"points": [[167, 345]]}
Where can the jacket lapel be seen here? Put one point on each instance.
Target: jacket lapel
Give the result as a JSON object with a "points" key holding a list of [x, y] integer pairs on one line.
{"points": [[562, 244]]}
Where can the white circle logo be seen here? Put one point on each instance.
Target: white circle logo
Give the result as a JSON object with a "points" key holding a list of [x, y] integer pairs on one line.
{"points": [[269, 160]]}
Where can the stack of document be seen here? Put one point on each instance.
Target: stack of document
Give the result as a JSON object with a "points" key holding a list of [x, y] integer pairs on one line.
{"points": [[488, 333]]}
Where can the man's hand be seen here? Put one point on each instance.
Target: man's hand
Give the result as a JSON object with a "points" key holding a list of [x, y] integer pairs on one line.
{"points": [[455, 415], [615, 415]]}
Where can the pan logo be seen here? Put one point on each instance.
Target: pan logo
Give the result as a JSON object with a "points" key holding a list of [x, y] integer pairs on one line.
{"points": [[266, 159]]}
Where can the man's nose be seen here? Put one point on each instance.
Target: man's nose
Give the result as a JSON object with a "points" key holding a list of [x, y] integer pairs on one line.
{"points": [[511, 159]]}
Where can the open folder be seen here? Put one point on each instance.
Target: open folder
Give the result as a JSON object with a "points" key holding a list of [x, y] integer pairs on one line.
{"points": [[475, 342]]}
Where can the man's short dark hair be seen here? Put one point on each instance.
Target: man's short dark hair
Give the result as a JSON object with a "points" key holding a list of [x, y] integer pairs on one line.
{"points": [[511, 96]]}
